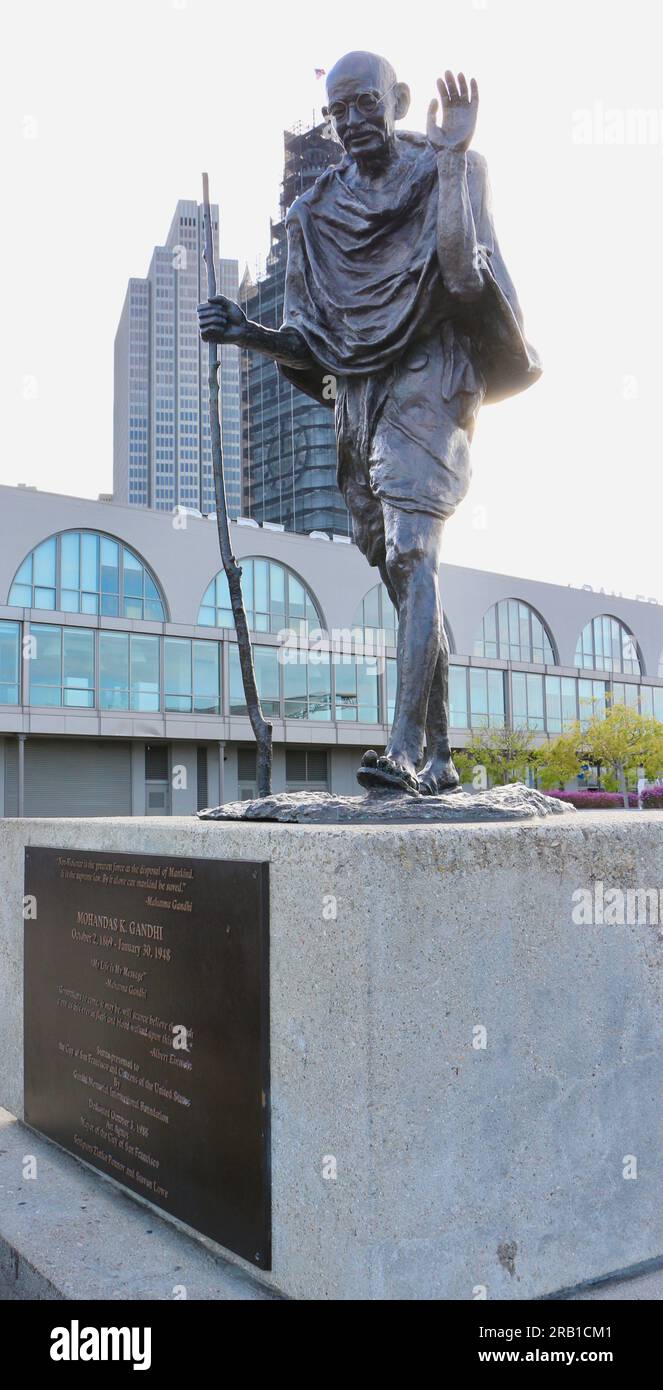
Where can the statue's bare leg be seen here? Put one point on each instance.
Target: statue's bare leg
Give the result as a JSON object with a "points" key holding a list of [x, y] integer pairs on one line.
{"points": [[412, 559], [438, 773]]}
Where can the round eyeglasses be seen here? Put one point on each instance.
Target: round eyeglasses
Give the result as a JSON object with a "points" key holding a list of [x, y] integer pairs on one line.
{"points": [[365, 103]]}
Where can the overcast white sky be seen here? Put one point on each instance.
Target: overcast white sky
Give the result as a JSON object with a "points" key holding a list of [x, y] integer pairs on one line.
{"points": [[111, 110]]}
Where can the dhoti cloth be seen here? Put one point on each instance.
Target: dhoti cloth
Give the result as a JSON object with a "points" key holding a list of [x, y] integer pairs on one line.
{"points": [[403, 435]]}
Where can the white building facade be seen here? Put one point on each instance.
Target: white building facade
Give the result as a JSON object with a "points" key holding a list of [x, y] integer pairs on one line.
{"points": [[120, 690]]}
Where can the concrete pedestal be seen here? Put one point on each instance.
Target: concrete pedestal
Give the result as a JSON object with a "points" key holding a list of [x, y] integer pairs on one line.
{"points": [[466, 1081]]}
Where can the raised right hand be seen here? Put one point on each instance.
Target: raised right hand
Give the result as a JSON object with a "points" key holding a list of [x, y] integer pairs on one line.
{"points": [[460, 108], [221, 320]]}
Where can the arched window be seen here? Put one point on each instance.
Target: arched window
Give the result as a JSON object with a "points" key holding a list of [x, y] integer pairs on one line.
{"points": [[606, 644], [512, 631], [274, 598], [376, 620], [87, 572]]}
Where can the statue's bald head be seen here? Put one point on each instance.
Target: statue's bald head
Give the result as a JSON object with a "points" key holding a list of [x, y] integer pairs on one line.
{"points": [[366, 134], [362, 64]]}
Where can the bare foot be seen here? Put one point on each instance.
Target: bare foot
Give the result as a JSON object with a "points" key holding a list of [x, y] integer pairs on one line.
{"points": [[390, 769], [438, 775]]}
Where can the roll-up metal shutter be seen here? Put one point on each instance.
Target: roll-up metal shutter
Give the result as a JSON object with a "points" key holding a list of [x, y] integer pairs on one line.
{"points": [[70, 777]]}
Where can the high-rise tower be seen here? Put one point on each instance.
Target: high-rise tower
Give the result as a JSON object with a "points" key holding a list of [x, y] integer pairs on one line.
{"points": [[161, 442], [289, 444]]}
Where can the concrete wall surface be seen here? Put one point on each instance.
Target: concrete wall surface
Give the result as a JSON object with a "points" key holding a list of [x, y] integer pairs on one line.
{"points": [[454, 1034]]}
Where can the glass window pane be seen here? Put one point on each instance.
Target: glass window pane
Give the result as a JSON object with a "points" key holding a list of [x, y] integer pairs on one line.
{"points": [[46, 656], [237, 703], [319, 687], [44, 564], [113, 670], [523, 633], [9, 663], [110, 605], [21, 595], [496, 699], [534, 702], [267, 677], [45, 694], [487, 643], [458, 697], [646, 700], [70, 600], [478, 699], [346, 690], [132, 576], [44, 598], [389, 619], [367, 693], [9, 635], [296, 601], [585, 700], [295, 689], [78, 658], [178, 704], [110, 566], [372, 608], [90, 562], [144, 656], [553, 705], [70, 545], [177, 666], [277, 596], [313, 619], [24, 574], [218, 593], [223, 596], [260, 592], [89, 603], [392, 677], [519, 699], [78, 698], [206, 677], [569, 701]]}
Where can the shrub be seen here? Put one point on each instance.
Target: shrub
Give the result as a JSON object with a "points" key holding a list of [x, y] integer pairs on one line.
{"points": [[599, 801], [652, 798]]}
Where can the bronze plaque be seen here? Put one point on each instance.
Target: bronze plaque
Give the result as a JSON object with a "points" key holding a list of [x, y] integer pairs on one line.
{"points": [[147, 1030]]}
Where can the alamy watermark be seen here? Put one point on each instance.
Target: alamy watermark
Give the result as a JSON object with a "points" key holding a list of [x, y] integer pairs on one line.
{"points": [[342, 646], [615, 125], [617, 907]]}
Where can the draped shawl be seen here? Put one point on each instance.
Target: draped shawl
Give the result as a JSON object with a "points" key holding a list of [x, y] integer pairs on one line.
{"points": [[363, 279]]}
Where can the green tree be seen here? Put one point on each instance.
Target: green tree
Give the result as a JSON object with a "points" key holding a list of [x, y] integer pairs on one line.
{"points": [[561, 760], [505, 753], [464, 764], [622, 742]]}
